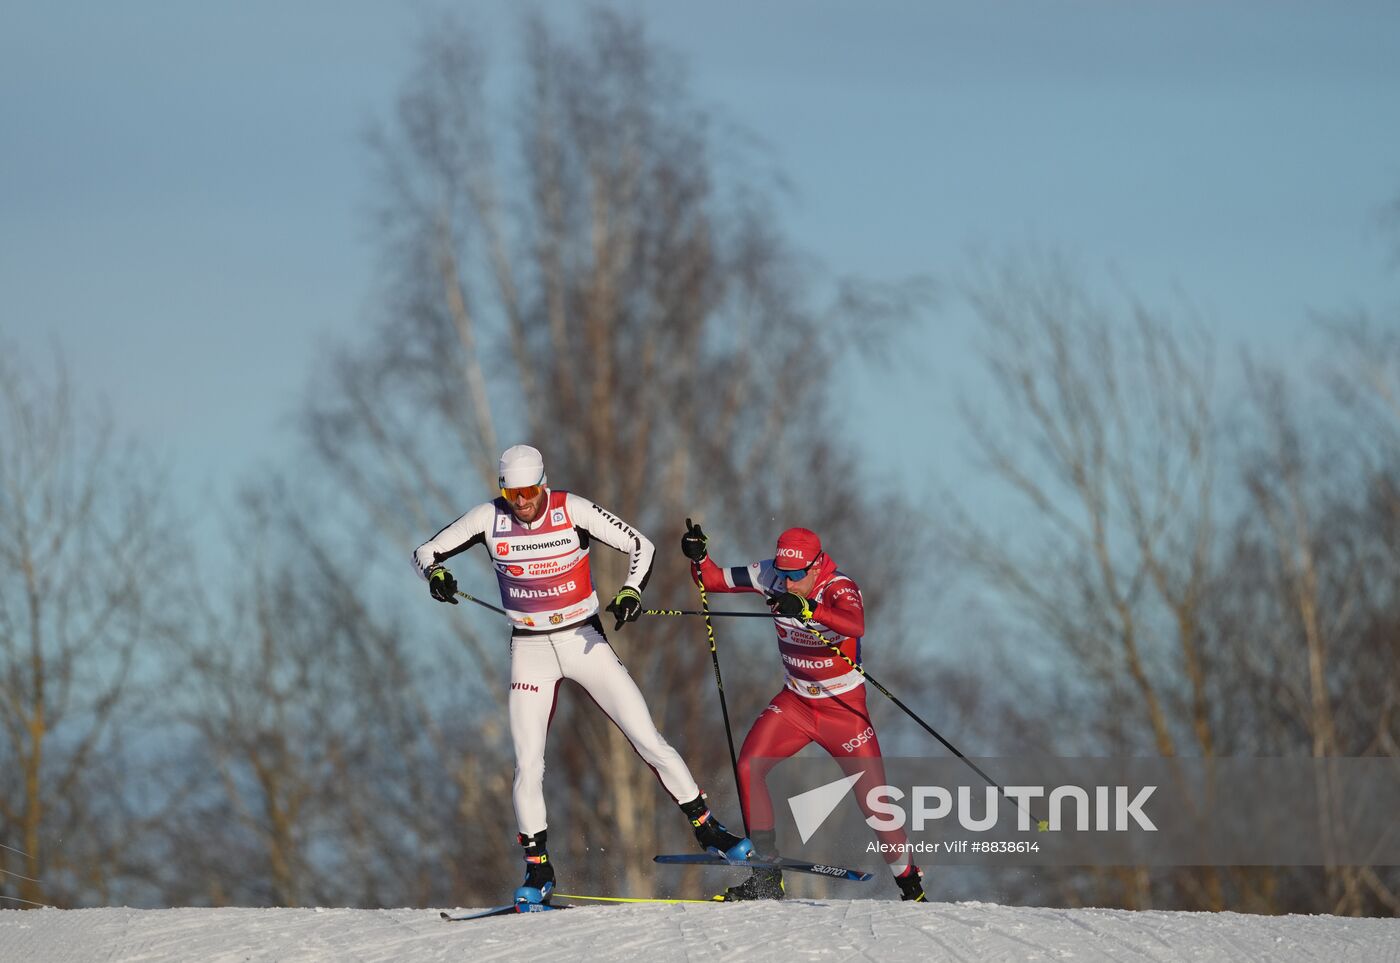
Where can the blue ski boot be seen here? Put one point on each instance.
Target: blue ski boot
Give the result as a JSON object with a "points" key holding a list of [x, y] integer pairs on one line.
{"points": [[710, 832], [539, 871]]}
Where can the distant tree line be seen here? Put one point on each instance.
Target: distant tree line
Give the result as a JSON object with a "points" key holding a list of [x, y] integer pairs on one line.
{"points": [[1204, 562]]}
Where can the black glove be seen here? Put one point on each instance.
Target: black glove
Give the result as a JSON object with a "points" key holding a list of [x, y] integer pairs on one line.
{"points": [[626, 605], [441, 585], [792, 605], [694, 543]]}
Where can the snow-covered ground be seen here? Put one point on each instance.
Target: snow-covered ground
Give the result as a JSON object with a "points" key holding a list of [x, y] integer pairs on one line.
{"points": [[795, 930]]}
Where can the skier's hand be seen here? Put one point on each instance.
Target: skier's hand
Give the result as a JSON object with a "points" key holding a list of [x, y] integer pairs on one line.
{"points": [[694, 543], [441, 585], [626, 605], [792, 605]]}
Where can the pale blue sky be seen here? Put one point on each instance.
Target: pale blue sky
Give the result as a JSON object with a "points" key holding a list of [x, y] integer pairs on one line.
{"points": [[182, 187]]}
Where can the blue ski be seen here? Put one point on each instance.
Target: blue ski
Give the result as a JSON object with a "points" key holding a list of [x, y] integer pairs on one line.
{"points": [[502, 911], [777, 862]]}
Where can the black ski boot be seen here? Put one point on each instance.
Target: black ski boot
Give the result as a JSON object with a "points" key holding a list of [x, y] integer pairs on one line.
{"points": [[911, 884], [710, 832], [764, 883], [539, 871]]}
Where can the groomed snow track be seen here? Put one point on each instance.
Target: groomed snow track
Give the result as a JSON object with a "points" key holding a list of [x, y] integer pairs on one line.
{"points": [[794, 930]]}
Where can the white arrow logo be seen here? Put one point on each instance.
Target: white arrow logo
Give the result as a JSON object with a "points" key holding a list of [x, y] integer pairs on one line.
{"points": [[810, 809]]}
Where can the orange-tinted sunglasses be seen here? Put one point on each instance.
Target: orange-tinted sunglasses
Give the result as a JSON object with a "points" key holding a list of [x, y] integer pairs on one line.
{"points": [[527, 492]]}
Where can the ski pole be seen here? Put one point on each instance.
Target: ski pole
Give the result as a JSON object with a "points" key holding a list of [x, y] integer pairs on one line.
{"points": [[1041, 824], [733, 615], [485, 605], [723, 703], [730, 615]]}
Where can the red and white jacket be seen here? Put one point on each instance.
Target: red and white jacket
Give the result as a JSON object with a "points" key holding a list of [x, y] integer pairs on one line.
{"points": [[838, 615], [542, 568]]}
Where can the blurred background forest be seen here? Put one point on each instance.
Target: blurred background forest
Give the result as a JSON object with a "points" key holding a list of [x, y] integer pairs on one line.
{"points": [[1195, 551]]}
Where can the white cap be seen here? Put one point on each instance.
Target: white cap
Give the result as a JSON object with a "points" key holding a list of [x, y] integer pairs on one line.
{"points": [[521, 465]]}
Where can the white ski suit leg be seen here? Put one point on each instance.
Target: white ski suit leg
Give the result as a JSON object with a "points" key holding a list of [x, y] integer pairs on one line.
{"points": [[583, 654], [590, 661], [534, 686]]}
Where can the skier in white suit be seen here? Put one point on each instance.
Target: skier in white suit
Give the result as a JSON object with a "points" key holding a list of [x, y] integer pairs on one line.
{"points": [[539, 539]]}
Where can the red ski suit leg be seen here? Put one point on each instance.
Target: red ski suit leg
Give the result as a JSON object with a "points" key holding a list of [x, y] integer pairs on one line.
{"points": [[845, 731], [839, 724], [781, 730]]}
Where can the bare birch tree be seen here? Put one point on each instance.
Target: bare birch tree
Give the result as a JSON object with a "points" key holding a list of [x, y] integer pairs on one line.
{"points": [[1323, 572], [1104, 436], [324, 771], [585, 272], [1102, 433], [1165, 627], [87, 565]]}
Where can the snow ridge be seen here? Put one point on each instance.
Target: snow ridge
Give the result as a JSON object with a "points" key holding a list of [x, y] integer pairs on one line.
{"points": [[825, 929]]}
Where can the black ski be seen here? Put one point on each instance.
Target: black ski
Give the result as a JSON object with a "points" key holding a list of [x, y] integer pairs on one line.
{"points": [[777, 862], [501, 911]]}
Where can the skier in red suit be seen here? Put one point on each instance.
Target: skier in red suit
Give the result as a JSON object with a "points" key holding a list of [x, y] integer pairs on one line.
{"points": [[823, 700]]}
